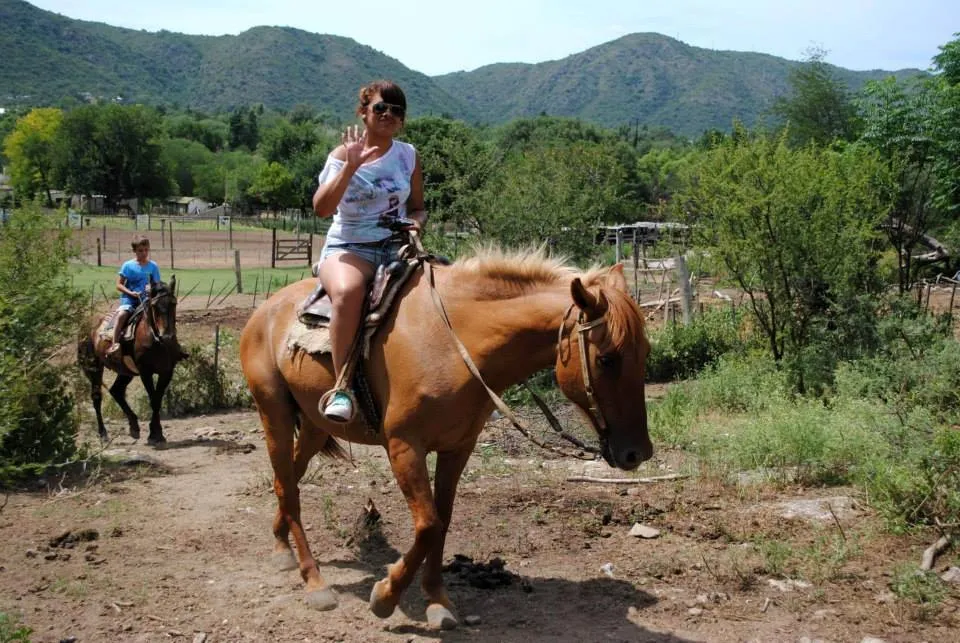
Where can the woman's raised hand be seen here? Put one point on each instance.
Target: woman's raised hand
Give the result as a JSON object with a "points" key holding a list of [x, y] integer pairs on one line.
{"points": [[353, 144]]}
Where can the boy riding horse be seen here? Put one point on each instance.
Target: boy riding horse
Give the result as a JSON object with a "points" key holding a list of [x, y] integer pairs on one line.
{"points": [[132, 281]]}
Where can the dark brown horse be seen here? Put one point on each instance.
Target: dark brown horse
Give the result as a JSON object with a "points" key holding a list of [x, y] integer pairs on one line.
{"points": [[515, 314], [154, 350]]}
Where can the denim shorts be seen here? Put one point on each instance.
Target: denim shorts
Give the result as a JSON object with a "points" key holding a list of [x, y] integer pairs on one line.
{"points": [[376, 253]]}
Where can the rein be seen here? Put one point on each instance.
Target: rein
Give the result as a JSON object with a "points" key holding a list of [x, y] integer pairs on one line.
{"points": [[502, 406], [149, 315]]}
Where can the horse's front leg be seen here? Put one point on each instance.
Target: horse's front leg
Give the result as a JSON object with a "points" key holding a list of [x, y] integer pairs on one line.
{"points": [[119, 393], [440, 611], [156, 402], [410, 470]]}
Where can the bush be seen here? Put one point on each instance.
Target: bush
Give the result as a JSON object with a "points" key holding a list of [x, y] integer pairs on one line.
{"points": [[199, 386], [11, 632], [38, 313], [679, 352]]}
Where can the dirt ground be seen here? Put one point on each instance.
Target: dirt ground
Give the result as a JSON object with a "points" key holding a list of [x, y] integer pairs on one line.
{"points": [[175, 544]]}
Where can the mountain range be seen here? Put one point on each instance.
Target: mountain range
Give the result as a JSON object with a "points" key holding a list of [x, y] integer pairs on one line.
{"points": [[642, 78]]}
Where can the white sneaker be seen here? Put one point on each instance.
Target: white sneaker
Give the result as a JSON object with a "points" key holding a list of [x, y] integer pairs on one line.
{"points": [[339, 408]]}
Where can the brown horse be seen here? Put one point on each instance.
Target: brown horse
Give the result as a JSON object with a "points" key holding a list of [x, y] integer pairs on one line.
{"points": [[508, 311], [154, 350]]}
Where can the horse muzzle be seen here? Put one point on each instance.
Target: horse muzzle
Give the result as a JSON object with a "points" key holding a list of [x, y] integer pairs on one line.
{"points": [[626, 457]]}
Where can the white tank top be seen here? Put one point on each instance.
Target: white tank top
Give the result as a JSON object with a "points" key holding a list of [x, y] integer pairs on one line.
{"points": [[377, 194]]}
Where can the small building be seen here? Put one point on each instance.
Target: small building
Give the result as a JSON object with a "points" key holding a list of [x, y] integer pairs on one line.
{"points": [[185, 205]]}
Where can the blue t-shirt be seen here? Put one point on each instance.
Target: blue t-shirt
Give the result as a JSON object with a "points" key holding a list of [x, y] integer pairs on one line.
{"points": [[137, 277]]}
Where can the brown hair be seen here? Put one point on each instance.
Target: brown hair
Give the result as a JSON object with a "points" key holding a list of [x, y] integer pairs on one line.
{"points": [[138, 241], [389, 91]]}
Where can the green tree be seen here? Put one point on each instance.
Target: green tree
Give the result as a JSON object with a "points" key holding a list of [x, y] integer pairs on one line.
{"points": [[796, 230], [245, 128], [112, 150], [273, 187], [305, 169], [819, 108], [30, 149], [554, 195], [187, 161], [37, 422], [285, 141], [900, 123], [211, 133], [456, 164]]}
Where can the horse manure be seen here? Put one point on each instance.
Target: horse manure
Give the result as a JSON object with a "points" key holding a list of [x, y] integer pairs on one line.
{"points": [[489, 575], [69, 539]]}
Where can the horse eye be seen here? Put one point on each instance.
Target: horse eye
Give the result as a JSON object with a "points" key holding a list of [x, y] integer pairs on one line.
{"points": [[607, 360]]}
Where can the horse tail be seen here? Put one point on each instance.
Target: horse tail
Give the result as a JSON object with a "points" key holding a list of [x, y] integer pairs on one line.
{"points": [[331, 448]]}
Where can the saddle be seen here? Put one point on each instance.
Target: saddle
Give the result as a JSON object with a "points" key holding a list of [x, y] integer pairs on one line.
{"points": [[124, 360], [316, 311], [129, 327]]}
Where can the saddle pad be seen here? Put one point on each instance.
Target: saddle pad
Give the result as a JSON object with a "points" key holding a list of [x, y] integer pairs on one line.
{"points": [[314, 340], [105, 329]]}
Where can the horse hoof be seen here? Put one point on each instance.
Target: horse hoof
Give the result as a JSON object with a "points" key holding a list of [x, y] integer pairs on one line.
{"points": [[381, 607], [439, 617], [283, 561], [322, 600], [156, 440], [135, 433]]}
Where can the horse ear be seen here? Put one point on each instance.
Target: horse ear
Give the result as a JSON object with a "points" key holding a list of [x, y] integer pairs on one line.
{"points": [[173, 285], [616, 278], [152, 281]]}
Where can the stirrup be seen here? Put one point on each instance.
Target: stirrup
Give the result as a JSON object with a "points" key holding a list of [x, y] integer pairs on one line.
{"points": [[338, 406]]}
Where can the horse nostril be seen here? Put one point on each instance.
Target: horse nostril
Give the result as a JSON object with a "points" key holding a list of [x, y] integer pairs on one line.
{"points": [[631, 458]]}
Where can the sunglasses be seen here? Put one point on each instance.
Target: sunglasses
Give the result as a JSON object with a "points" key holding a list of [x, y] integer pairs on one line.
{"points": [[381, 108]]}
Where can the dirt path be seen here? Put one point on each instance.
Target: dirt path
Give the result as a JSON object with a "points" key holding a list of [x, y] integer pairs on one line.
{"points": [[183, 544]]}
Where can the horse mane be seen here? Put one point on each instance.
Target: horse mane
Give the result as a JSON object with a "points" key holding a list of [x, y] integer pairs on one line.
{"points": [[492, 273], [495, 273]]}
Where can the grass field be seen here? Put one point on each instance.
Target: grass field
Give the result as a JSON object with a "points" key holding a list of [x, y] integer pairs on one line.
{"points": [[204, 282]]}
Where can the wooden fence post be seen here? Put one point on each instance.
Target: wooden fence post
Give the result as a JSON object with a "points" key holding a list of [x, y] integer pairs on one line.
{"points": [[216, 348], [273, 247], [236, 269], [686, 296], [170, 226], [99, 257]]}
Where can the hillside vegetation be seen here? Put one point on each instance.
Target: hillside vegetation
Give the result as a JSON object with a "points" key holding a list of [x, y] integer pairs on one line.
{"points": [[648, 79]]}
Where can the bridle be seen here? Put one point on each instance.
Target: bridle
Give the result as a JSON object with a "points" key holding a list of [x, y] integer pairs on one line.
{"points": [[596, 416], [582, 327], [149, 313]]}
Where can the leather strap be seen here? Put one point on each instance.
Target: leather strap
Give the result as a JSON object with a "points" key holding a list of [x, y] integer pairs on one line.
{"points": [[497, 401]]}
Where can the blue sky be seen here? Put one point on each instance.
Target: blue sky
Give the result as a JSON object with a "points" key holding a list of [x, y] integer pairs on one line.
{"points": [[435, 37]]}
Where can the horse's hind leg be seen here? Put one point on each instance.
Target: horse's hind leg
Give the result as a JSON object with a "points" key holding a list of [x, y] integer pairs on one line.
{"points": [[93, 369], [119, 393], [277, 416], [311, 439]]}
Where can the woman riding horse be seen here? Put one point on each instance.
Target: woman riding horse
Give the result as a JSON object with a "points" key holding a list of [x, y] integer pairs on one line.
{"points": [[515, 315]]}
